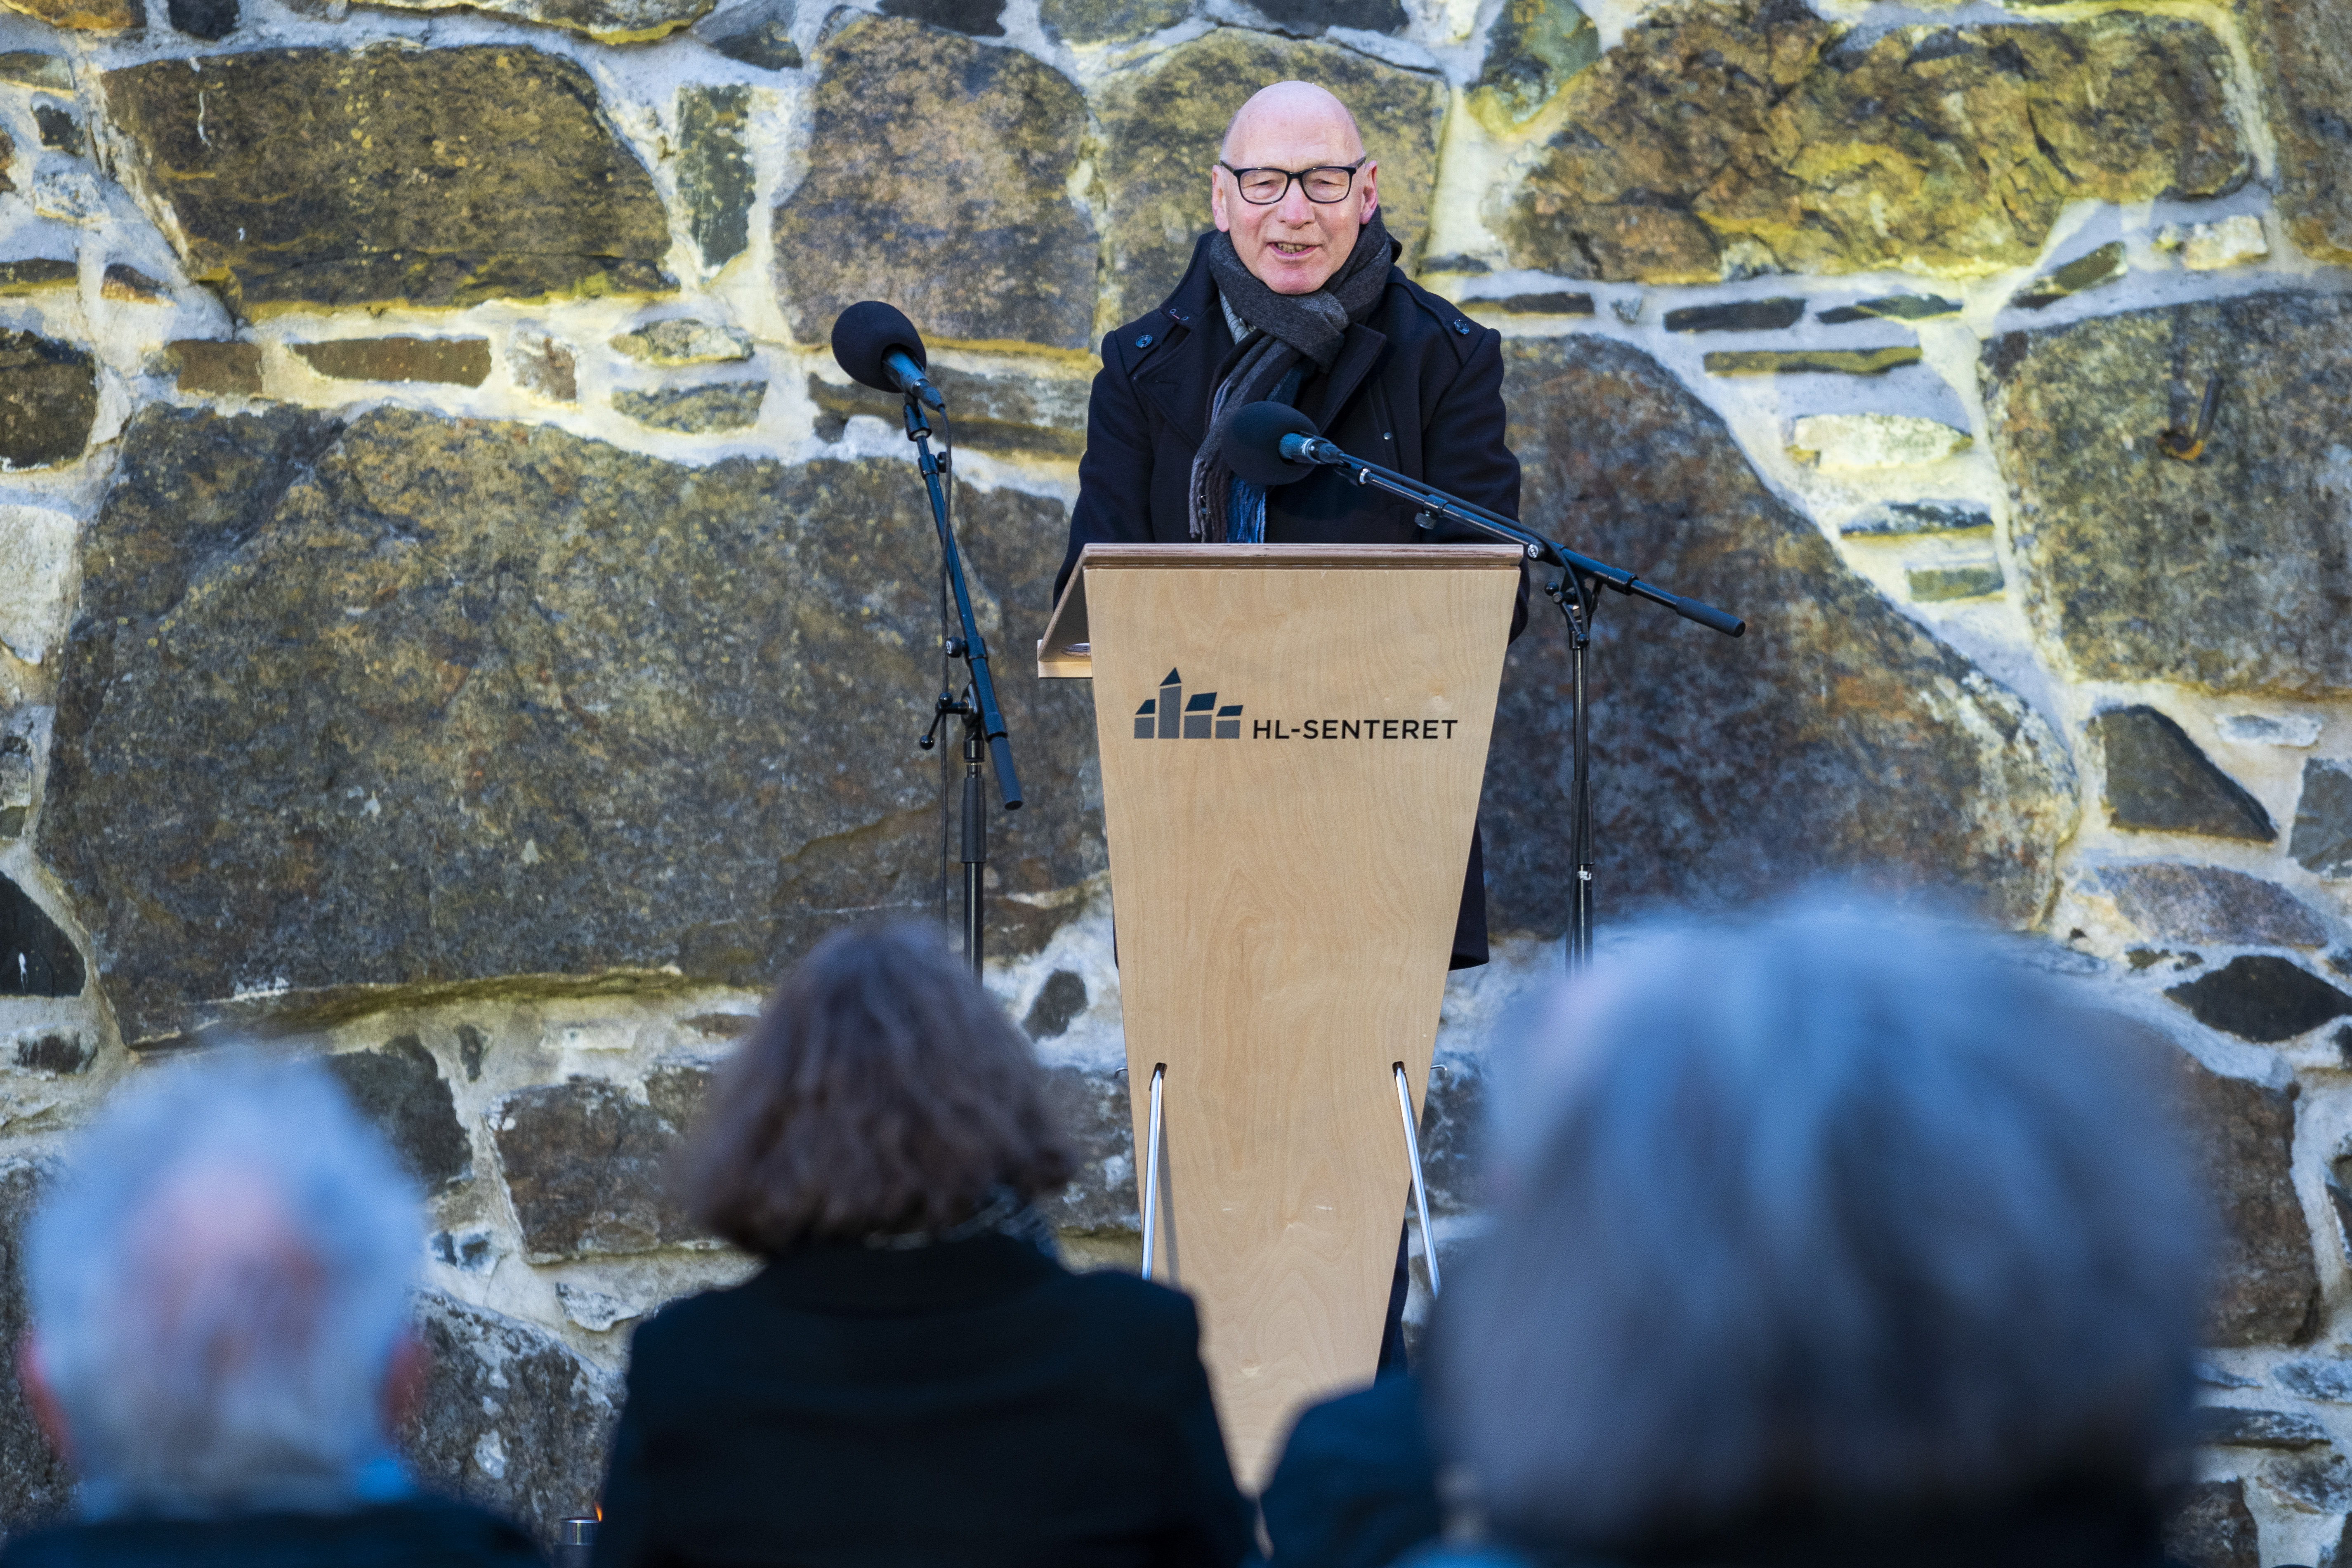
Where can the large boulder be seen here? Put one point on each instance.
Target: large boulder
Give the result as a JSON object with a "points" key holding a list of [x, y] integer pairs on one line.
{"points": [[400, 1089], [1110, 21], [2241, 1136], [392, 175], [714, 170], [1093, 1106], [2303, 52], [83, 15], [2207, 1525], [1163, 120], [511, 1419], [1532, 50], [938, 173], [390, 708], [48, 400], [2323, 818], [586, 1168], [2209, 903], [2262, 998], [1838, 736], [2160, 781], [1753, 135], [2228, 573], [36, 958], [607, 21]]}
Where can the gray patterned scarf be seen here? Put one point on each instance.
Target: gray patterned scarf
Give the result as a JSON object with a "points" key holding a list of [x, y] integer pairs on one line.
{"points": [[1292, 330]]}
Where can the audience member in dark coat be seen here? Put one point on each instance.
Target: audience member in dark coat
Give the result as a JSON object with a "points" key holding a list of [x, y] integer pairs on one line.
{"points": [[219, 1290], [422, 1533], [1357, 1487], [1830, 1237], [968, 1402], [911, 1379]]}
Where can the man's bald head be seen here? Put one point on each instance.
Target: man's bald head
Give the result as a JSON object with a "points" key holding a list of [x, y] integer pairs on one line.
{"points": [[1289, 111], [1292, 243]]}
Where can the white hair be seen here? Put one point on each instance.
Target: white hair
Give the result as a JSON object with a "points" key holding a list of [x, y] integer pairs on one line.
{"points": [[218, 1285], [1836, 1209]]}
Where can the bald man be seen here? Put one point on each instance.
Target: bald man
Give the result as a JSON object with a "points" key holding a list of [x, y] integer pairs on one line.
{"points": [[1295, 297]]}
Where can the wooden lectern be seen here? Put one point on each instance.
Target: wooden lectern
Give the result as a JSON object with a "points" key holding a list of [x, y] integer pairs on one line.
{"points": [[1293, 739]]}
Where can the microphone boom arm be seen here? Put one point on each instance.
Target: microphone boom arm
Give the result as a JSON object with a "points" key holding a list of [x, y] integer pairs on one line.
{"points": [[1281, 436], [1429, 498]]}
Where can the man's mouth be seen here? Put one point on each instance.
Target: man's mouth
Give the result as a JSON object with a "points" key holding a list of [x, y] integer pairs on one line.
{"points": [[1291, 250]]}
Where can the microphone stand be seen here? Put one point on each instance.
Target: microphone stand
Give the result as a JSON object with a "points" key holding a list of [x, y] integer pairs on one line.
{"points": [[1576, 593], [983, 720]]}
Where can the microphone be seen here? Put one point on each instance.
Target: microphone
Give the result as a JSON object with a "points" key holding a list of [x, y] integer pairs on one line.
{"points": [[1271, 443], [1313, 450], [879, 346]]}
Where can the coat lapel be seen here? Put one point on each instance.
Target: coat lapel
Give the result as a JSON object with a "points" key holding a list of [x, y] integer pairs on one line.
{"points": [[1358, 355], [1177, 383]]}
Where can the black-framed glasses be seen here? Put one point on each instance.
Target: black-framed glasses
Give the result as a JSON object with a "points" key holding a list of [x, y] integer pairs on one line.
{"points": [[1325, 184]]}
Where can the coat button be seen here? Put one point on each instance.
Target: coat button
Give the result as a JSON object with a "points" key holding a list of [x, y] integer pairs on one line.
{"points": [[1144, 342], [1461, 326]]}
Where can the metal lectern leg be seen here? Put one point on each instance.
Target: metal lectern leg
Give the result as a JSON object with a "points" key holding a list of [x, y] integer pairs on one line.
{"points": [[1420, 1184], [1151, 1174]]}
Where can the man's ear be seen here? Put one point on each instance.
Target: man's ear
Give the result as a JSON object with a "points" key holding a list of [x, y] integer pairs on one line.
{"points": [[404, 1380], [1368, 187], [1217, 201], [40, 1397]]}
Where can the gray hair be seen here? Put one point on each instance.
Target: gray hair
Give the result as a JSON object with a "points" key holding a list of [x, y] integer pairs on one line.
{"points": [[1835, 1211], [218, 1285]]}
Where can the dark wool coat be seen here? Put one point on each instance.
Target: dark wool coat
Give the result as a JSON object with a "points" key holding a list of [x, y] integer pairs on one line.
{"points": [[1418, 388], [1357, 1487], [412, 1534], [966, 1405]]}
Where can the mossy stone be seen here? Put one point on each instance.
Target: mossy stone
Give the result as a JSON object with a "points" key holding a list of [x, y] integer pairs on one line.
{"points": [[1163, 120], [939, 180], [1753, 135], [1110, 21], [83, 15], [579, 668], [2228, 573], [1837, 688], [714, 170], [388, 175], [48, 400], [1532, 50]]}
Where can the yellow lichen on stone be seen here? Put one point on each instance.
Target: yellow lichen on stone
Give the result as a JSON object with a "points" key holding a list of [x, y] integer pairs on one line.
{"points": [[1947, 151], [82, 16]]}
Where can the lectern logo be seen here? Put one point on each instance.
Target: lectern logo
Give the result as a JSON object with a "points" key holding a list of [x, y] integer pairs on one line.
{"points": [[1172, 716]]}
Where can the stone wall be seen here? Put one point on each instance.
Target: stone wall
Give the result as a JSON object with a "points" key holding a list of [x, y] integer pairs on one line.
{"points": [[455, 619]]}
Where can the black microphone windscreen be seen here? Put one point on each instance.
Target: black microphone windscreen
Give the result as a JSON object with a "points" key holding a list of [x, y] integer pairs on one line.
{"points": [[863, 335], [1253, 446]]}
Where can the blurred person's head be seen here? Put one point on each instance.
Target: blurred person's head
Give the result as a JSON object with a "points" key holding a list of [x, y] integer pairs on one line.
{"points": [[1831, 1219], [219, 1294], [882, 1092]]}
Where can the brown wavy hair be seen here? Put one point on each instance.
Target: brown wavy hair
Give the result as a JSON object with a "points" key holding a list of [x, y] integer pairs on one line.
{"points": [[882, 1091]]}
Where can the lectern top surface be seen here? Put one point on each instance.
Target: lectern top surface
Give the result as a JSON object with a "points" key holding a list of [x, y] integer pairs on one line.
{"points": [[1323, 557], [1065, 651]]}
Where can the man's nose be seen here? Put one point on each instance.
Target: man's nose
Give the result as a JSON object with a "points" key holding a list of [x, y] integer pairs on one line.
{"points": [[1294, 208]]}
